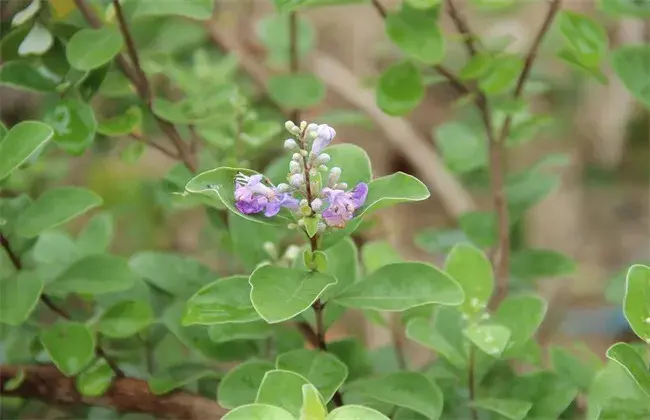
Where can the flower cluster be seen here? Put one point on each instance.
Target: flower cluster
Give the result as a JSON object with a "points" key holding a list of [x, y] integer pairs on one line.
{"points": [[313, 190]]}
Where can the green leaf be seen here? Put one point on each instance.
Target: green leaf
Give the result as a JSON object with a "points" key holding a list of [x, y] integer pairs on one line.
{"points": [[296, 91], [223, 301], [125, 319], [353, 161], [173, 273], [97, 235], [239, 386], [92, 48], [20, 143], [417, 33], [586, 37], [121, 124], [323, 370], [412, 390], [312, 405], [443, 334], [55, 207], [274, 33], [354, 355], [393, 189], [476, 67], [400, 286], [462, 148], [27, 13], [249, 239], [279, 293], [636, 304], [311, 225], [19, 295], [522, 315], [15, 382], [95, 380], [439, 240], [355, 412], [74, 125], [511, 409], [473, 272], [550, 395], [255, 330], [37, 41], [526, 189], [574, 60], [258, 412], [282, 388], [219, 185], [490, 338], [193, 9], [400, 89], [501, 76], [630, 63], [377, 254], [71, 346], [94, 275], [27, 75], [177, 377], [531, 264], [574, 368], [479, 227], [629, 8]]}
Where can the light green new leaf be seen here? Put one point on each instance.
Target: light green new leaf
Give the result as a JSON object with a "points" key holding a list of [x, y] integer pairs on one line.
{"points": [[15, 382], [636, 304], [20, 143], [323, 370], [353, 161], [37, 41], [258, 412], [178, 376], [27, 13], [400, 286], [443, 335], [400, 89], [28, 75], [417, 33], [193, 9], [631, 63], [312, 404], [411, 390], [282, 388], [223, 301], [531, 264], [355, 412], [239, 386], [296, 91], [173, 273], [255, 330], [94, 275], [125, 319], [95, 380], [462, 148], [279, 293], [71, 346], [55, 207], [92, 48], [501, 75], [634, 9], [586, 37], [511, 409], [522, 315], [19, 294], [393, 189], [74, 125], [472, 270], [490, 338], [121, 124]]}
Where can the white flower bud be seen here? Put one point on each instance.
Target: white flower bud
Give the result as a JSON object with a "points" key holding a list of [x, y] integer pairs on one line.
{"points": [[341, 186], [290, 144], [296, 180], [292, 226], [295, 167], [289, 125], [303, 202], [295, 131], [321, 227], [292, 252], [283, 188], [335, 173], [296, 157], [304, 152], [312, 134], [270, 249], [301, 222], [316, 204], [313, 172], [312, 127], [323, 158], [303, 125], [322, 168]]}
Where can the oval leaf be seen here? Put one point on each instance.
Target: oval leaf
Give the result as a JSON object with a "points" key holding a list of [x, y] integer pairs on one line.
{"points": [[355, 412], [20, 142], [632, 362], [239, 386], [224, 301], [92, 48], [472, 270], [630, 63], [312, 405], [258, 411], [491, 338], [417, 33], [353, 161], [71, 346], [94, 275], [173, 273], [325, 371], [74, 125], [636, 303], [393, 189], [95, 380], [125, 319], [19, 295], [282, 388], [296, 91], [511, 409], [177, 377], [522, 315], [400, 89]]}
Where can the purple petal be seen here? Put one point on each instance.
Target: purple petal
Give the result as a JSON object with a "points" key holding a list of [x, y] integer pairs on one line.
{"points": [[272, 208], [335, 219], [359, 194], [325, 135]]}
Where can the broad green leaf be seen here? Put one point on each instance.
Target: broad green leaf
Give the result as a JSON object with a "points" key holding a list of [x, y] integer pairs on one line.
{"points": [[27, 75], [249, 238], [273, 32], [193, 9], [613, 389], [511, 409], [631, 63], [531, 264], [501, 76], [94, 275], [74, 125], [417, 33], [423, 4], [400, 89], [92, 48], [439, 240], [479, 227], [393, 189], [177, 377], [258, 412], [586, 37], [323, 370], [527, 189], [574, 368], [255, 330], [223, 301], [121, 124], [522, 315], [462, 148], [173, 273], [71, 346], [582, 64], [95, 380], [125, 319], [279, 293], [97, 235], [412, 390], [132, 152], [550, 395], [282, 388], [354, 355], [490, 338], [20, 143], [219, 185], [472, 270], [355, 412], [443, 335], [90, 85], [636, 303], [37, 41], [476, 67], [312, 405], [634, 9], [27, 13], [377, 254], [400, 286], [55, 207], [239, 386], [296, 91], [19, 295], [353, 161]]}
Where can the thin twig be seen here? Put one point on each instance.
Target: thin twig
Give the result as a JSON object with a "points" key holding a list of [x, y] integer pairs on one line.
{"points": [[294, 59], [380, 9], [463, 28], [153, 144]]}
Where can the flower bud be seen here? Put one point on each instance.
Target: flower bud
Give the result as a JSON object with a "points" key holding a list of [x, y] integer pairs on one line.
{"points": [[283, 188], [296, 180], [303, 125], [312, 135], [312, 127], [322, 168], [289, 125], [305, 211], [313, 172], [295, 167], [295, 131], [290, 144], [303, 202], [341, 186], [304, 152], [292, 252], [292, 226], [296, 157], [301, 222], [323, 158], [335, 174], [270, 249], [321, 227], [317, 204]]}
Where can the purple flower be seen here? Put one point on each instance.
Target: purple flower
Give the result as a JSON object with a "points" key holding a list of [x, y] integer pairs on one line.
{"points": [[252, 196], [324, 136], [342, 204]]}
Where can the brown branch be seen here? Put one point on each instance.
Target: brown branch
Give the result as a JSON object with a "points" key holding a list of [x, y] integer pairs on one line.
{"points": [[153, 144], [294, 63], [46, 383], [380, 9], [463, 28]]}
